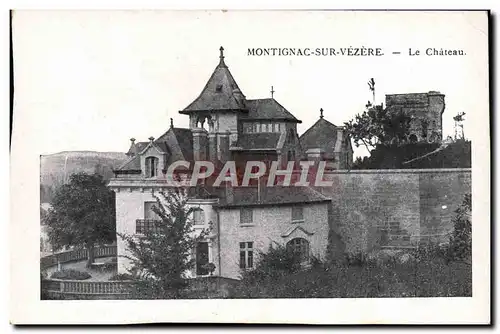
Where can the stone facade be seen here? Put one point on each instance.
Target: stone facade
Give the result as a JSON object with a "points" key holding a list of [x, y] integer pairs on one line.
{"points": [[369, 210], [394, 208], [426, 109], [271, 225]]}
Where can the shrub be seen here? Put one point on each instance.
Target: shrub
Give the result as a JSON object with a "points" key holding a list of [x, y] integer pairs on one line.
{"points": [[278, 261], [71, 274], [361, 259], [461, 240], [121, 277]]}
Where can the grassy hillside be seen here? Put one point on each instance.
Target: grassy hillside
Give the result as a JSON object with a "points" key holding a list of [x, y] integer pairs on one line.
{"points": [[55, 169]]}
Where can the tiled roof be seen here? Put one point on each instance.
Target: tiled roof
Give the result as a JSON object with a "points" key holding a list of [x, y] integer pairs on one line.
{"points": [[179, 142], [137, 147], [134, 163], [277, 195], [259, 140], [176, 142], [267, 109], [322, 134], [218, 93]]}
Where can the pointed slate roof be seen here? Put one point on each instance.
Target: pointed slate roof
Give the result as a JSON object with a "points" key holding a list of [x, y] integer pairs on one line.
{"points": [[322, 134], [267, 109], [177, 143], [221, 92], [136, 147]]}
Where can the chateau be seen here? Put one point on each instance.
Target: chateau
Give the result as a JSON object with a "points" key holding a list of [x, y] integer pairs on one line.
{"points": [[361, 211], [224, 125]]}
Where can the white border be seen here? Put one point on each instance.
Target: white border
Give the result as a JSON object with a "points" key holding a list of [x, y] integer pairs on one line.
{"points": [[26, 308]]}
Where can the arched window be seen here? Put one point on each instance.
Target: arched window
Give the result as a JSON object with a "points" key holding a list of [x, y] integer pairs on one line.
{"points": [[198, 217], [151, 166], [300, 246]]}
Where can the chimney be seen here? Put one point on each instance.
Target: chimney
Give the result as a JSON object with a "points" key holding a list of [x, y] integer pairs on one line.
{"points": [[171, 123]]}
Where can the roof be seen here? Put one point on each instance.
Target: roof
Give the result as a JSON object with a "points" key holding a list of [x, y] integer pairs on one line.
{"points": [[134, 163], [263, 109], [248, 141], [220, 92], [137, 147], [277, 195], [322, 134], [176, 142], [179, 142]]}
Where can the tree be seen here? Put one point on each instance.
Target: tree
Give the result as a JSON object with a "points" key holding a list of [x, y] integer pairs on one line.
{"points": [[461, 239], [277, 262], [377, 125], [162, 256], [82, 214]]}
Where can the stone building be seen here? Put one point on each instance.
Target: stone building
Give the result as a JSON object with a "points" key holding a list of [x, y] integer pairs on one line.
{"points": [[363, 208], [226, 126], [426, 110], [324, 141]]}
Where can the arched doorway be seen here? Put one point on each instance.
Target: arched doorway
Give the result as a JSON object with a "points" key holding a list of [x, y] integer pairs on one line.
{"points": [[300, 246]]}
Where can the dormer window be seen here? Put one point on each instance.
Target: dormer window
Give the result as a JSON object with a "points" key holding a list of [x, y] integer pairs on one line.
{"points": [[218, 88], [152, 166]]}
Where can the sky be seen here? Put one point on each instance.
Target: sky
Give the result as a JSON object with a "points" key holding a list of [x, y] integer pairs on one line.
{"points": [[91, 80]]}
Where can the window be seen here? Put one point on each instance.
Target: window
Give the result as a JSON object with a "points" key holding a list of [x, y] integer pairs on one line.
{"points": [[151, 166], [264, 127], [246, 216], [246, 255], [218, 88], [300, 247], [276, 127], [257, 127], [198, 217], [297, 214], [247, 127]]}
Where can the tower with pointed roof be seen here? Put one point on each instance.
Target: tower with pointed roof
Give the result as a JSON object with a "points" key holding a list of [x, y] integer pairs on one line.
{"points": [[226, 125]]}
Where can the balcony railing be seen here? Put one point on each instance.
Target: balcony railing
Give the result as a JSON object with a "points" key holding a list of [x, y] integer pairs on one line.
{"points": [[145, 225]]}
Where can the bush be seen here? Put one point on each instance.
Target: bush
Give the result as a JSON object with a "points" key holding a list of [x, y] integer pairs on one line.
{"points": [[461, 240], [71, 274], [121, 277], [278, 261]]}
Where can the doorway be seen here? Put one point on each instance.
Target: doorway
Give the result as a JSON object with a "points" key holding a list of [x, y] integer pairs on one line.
{"points": [[202, 258]]}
